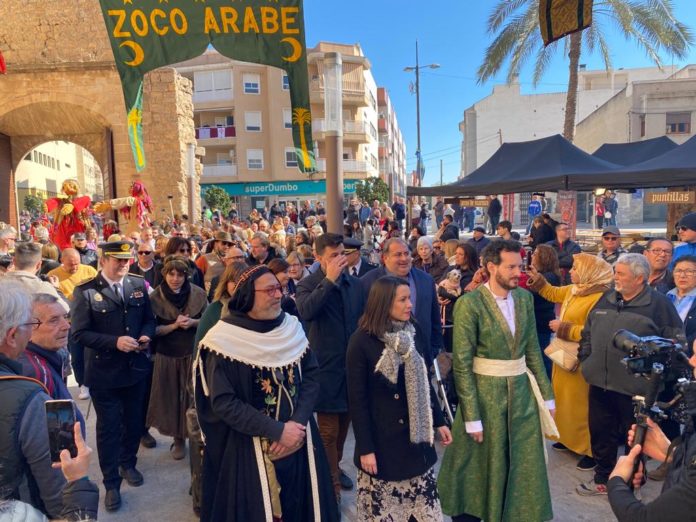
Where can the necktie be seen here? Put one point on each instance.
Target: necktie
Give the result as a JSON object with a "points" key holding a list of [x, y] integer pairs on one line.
{"points": [[355, 271], [117, 291]]}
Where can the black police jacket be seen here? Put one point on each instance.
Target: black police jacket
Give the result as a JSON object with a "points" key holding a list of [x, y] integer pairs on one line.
{"points": [[99, 318]]}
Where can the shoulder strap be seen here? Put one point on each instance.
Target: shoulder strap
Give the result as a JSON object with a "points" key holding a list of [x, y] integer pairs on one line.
{"points": [[22, 378]]}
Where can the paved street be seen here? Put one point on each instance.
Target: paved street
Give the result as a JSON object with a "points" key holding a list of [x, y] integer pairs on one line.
{"points": [[164, 496]]}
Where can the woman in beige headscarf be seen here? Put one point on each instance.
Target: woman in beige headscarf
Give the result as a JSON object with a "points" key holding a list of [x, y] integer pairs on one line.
{"points": [[591, 277]]}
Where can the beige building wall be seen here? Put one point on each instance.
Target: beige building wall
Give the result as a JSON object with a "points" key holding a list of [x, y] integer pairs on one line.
{"points": [[242, 116], [643, 110]]}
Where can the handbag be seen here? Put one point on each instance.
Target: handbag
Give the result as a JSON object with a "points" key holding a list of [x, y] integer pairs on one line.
{"points": [[563, 353]]}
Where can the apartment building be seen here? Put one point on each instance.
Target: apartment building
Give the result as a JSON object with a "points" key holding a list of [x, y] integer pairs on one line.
{"points": [[392, 151], [643, 110], [508, 115], [47, 166], [242, 115]]}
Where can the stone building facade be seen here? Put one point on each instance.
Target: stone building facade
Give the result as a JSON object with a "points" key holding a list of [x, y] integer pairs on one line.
{"points": [[62, 84]]}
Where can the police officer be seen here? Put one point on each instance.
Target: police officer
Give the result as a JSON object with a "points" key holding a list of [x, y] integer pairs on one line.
{"points": [[113, 320]]}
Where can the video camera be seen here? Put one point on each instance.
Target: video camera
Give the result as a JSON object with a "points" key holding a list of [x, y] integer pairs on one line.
{"points": [[660, 361]]}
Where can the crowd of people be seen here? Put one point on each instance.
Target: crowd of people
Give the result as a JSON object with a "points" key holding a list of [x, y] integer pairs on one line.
{"points": [[255, 343]]}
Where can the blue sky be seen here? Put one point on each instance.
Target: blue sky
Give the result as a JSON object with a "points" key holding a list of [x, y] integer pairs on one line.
{"points": [[451, 33]]}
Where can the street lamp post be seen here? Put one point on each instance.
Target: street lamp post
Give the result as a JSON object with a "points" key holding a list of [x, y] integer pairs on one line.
{"points": [[417, 68], [333, 116]]}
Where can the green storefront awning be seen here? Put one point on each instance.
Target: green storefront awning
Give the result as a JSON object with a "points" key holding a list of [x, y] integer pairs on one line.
{"points": [[280, 188]]}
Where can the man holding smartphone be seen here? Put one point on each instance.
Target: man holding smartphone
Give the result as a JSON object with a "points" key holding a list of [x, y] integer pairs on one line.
{"points": [[113, 320]]}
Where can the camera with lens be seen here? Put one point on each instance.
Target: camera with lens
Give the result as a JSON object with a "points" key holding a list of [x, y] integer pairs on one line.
{"points": [[647, 354]]}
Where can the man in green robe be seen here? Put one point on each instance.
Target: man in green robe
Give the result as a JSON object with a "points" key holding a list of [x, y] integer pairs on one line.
{"points": [[495, 469]]}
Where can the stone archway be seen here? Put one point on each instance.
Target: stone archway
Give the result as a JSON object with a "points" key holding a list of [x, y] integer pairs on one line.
{"points": [[62, 84]]}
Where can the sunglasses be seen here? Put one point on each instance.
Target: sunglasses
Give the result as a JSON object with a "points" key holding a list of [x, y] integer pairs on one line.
{"points": [[184, 250], [682, 228], [227, 243], [610, 238], [144, 252]]}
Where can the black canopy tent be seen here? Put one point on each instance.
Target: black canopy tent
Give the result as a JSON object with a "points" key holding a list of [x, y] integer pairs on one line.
{"points": [[545, 164], [634, 152], [674, 168]]}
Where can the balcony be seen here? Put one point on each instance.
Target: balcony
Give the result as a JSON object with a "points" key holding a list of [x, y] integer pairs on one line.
{"points": [[209, 136], [218, 173], [353, 130], [354, 92], [351, 168], [210, 99]]}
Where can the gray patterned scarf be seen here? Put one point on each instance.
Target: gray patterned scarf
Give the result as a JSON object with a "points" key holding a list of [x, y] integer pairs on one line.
{"points": [[399, 348]]}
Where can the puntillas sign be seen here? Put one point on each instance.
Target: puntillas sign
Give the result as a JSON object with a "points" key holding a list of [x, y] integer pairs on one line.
{"points": [[147, 34]]}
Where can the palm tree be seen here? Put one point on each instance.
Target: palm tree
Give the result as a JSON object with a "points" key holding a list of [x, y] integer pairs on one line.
{"points": [[650, 23]]}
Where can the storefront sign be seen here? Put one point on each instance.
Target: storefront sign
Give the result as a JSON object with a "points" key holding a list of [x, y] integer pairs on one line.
{"points": [[281, 188], [467, 202], [675, 196]]}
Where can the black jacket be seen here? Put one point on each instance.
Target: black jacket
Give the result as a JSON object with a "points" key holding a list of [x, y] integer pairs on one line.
{"points": [[451, 232], [565, 253], [153, 276], [365, 267], [480, 244], [690, 328], [99, 319], [676, 503], [427, 310], [649, 313], [379, 412], [495, 207], [330, 313], [540, 235]]}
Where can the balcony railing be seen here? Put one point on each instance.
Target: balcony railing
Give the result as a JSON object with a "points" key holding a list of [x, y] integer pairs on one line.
{"points": [[349, 165], [221, 95], [206, 133], [219, 171], [349, 126]]}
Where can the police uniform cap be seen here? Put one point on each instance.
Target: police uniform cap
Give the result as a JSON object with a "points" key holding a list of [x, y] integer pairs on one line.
{"points": [[351, 245], [117, 249]]}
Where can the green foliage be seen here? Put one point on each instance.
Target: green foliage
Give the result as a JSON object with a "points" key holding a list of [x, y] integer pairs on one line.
{"points": [[217, 198], [514, 24], [372, 188], [33, 204]]}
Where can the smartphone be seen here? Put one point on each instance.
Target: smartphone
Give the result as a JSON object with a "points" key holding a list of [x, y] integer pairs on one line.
{"points": [[61, 418], [529, 259]]}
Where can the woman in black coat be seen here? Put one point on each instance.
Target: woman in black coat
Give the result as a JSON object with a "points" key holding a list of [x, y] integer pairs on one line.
{"points": [[391, 405]]}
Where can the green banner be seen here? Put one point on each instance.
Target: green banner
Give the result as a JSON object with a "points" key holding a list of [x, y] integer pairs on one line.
{"points": [[147, 34]]}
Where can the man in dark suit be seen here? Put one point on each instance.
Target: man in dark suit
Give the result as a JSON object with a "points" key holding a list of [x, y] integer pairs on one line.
{"points": [[357, 265], [397, 261], [330, 303], [113, 320]]}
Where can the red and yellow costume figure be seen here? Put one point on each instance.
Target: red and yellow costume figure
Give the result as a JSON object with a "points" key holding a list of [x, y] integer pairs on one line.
{"points": [[69, 214], [134, 208]]}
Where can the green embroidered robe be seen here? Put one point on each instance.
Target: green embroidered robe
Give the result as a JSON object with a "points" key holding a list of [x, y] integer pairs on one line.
{"points": [[504, 478]]}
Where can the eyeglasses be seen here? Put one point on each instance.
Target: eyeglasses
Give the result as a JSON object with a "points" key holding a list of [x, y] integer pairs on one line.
{"points": [[660, 251], [610, 238], [144, 252], [437, 247], [52, 322], [271, 290], [690, 272], [184, 250], [227, 243]]}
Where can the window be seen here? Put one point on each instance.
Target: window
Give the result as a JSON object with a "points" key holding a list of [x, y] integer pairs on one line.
{"points": [[252, 121], [642, 125], [255, 159], [206, 81], [252, 83], [678, 123], [287, 118], [223, 158], [286, 82], [290, 157], [373, 131]]}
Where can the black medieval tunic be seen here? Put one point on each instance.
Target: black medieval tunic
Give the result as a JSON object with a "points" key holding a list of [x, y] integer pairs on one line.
{"points": [[241, 407]]}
